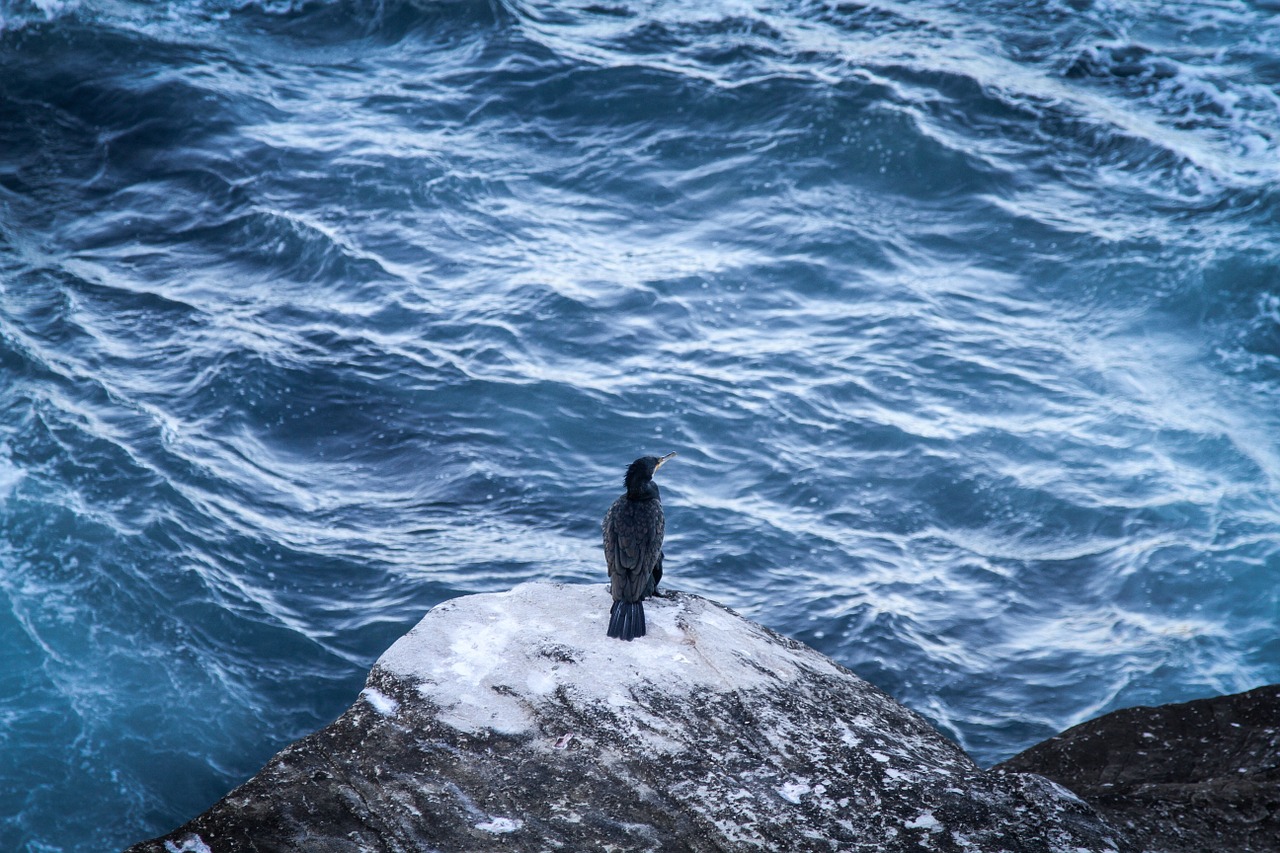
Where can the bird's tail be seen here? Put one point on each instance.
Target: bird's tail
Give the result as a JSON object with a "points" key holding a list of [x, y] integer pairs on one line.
{"points": [[626, 620]]}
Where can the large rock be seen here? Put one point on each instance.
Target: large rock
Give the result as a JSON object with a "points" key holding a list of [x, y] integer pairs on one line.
{"points": [[1202, 775], [510, 722]]}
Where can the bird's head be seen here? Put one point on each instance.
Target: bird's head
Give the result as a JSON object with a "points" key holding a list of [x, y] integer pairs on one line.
{"points": [[641, 472]]}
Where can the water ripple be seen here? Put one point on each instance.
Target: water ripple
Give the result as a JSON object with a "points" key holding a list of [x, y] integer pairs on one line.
{"points": [[962, 319]]}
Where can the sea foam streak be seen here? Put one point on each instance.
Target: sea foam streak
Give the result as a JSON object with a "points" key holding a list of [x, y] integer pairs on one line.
{"points": [[313, 315]]}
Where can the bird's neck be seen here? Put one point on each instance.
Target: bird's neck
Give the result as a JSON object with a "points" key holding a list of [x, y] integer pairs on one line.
{"points": [[646, 491]]}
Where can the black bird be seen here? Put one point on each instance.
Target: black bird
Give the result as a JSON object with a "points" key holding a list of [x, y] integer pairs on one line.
{"points": [[633, 547]]}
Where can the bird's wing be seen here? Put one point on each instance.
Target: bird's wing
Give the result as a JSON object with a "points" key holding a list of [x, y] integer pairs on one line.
{"points": [[629, 557], [612, 556], [630, 554]]}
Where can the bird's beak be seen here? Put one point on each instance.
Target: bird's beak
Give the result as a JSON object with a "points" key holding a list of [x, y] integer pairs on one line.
{"points": [[663, 460]]}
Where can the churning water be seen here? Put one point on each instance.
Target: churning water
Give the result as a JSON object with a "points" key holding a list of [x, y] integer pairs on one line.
{"points": [[964, 319]]}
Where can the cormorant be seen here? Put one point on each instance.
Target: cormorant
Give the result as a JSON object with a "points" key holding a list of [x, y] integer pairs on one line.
{"points": [[633, 547]]}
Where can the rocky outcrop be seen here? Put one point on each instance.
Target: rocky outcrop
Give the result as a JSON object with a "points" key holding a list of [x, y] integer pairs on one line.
{"points": [[510, 722], [1202, 775]]}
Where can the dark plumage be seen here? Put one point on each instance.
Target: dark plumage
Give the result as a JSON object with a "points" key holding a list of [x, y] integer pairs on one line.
{"points": [[633, 529]]}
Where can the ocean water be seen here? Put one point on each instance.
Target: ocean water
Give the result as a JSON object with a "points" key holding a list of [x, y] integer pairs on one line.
{"points": [[964, 319]]}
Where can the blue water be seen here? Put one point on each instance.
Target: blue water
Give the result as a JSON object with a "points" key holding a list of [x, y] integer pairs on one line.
{"points": [[964, 319]]}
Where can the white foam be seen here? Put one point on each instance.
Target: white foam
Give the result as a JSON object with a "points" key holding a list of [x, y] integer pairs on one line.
{"points": [[10, 474], [191, 844], [926, 821], [792, 792], [381, 702], [500, 825]]}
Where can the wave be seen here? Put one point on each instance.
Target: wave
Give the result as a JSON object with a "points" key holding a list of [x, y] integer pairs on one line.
{"points": [[313, 314]]}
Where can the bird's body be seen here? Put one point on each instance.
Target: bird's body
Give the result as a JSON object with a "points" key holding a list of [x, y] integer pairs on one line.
{"points": [[633, 529]]}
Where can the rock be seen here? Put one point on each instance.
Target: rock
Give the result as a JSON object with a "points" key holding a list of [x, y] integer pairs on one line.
{"points": [[1202, 775], [510, 722]]}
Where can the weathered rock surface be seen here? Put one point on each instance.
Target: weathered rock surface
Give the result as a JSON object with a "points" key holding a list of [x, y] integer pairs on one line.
{"points": [[510, 722], [1202, 775]]}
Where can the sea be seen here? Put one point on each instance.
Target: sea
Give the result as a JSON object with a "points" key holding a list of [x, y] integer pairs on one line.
{"points": [[962, 317]]}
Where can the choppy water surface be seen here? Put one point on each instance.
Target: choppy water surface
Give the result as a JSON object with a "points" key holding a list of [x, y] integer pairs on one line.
{"points": [[963, 317]]}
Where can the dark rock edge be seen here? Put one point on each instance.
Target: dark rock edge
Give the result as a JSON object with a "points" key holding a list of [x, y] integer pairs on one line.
{"points": [[1192, 776]]}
